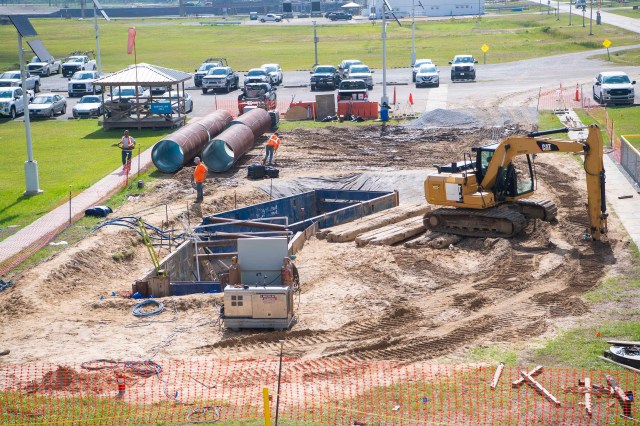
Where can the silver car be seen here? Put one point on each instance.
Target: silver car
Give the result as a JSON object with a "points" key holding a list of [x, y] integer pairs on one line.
{"points": [[428, 75], [361, 72], [416, 66], [185, 105], [88, 106], [47, 105]]}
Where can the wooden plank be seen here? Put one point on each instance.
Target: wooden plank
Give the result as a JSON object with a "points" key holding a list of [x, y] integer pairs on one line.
{"points": [[536, 371], [209, 256], [587, 396], [617, 390], [496, 376], [349, 232], [539, 388], [393, 233], [619, 364]]}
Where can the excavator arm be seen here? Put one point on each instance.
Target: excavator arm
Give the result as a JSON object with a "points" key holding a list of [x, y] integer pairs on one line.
{"points": [[535, 143]]}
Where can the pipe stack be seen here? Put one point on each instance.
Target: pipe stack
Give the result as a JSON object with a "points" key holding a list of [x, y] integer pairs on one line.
{"points": [[239, 137], [181, 146]]}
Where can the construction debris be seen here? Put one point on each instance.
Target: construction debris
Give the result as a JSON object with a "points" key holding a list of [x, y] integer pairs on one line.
{"points": [[496, 376], [349, 231], [539, 388], [536, 371], [392, 234], [587, 396]]}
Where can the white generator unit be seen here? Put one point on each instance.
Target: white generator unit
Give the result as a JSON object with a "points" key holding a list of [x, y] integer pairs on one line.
{"points": [[258, 307]]}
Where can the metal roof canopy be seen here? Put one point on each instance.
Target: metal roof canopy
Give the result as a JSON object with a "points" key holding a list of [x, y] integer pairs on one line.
{"points": [[144, 75], [39, 49], [351, 5], [23, 25]]}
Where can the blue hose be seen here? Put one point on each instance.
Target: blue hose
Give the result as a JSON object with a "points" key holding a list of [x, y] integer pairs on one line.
{"points": [[138, 312]]}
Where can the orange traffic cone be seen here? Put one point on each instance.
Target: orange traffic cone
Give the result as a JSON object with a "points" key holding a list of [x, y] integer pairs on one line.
{"points": [[394, 95], [411, 98], [577, 93]]}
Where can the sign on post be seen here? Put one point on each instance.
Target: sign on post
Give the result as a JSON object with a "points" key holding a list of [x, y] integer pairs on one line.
{"points": [[607, 44], [485, 49]]}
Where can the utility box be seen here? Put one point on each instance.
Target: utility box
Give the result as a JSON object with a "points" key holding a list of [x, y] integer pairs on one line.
{"points": [[258, 307]]}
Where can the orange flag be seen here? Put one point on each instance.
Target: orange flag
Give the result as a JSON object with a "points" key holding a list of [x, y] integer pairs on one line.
{"points": [[131, 45], [411, 98]]}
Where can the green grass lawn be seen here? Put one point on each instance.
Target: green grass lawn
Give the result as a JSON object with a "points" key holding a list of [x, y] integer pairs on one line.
{"points": [[630, 13], [181, 45], [624, 57], [72, 155], [626, 119]]}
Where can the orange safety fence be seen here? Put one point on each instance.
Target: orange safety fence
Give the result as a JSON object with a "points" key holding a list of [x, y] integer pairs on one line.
{"points": [[363, 109], [232, 106], [562, 98], [328, 391]]}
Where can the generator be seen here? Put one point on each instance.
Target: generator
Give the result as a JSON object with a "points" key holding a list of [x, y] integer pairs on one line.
{"points": [[258, 307]]}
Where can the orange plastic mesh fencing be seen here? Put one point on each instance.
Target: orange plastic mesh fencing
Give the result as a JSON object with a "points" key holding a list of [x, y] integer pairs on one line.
{"points": [[232, 106], [561, 98], [330, 391]]}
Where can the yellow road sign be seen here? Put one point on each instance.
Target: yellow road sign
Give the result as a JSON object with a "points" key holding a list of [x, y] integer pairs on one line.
{"points": [[606, 43], [485, 48]]}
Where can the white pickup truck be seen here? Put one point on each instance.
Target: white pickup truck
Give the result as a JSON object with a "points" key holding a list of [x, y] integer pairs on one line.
{"points": [[11, 102], [78, 63], [270, 17], [44, 68], [12, 79]]}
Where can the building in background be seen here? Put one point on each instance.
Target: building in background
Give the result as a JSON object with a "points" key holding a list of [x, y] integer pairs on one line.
{"points": [[403, 8]]}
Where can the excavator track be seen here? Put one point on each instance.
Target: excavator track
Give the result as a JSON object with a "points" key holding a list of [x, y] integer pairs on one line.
{"points": [[476, 223], [538, 209]]}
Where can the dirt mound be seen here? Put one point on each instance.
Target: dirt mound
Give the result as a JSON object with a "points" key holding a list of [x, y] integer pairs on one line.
{"points": [[69, 380], [475, 118]]}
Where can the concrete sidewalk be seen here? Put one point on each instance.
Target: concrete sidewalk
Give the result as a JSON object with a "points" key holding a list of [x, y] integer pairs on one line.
{"points": [[34, 236]]}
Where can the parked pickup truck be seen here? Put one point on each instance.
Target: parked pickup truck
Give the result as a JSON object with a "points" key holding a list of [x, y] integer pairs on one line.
{"points": [[353, 90], [82, 84], [12, 79], [270, 17], [44, 68], [261, 95], [77, 63], [204, 68], [220, 78], [11, 103]]}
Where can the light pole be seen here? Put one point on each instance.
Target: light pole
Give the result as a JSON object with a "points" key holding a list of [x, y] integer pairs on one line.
{"points": [[315, 42], [570, 12], [413, 32], [31, 165], [558, 11], [583, 10], [591, 19], [384, 101]]}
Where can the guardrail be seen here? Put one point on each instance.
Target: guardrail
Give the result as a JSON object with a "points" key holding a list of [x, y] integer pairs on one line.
{"points": [[630, 157]]}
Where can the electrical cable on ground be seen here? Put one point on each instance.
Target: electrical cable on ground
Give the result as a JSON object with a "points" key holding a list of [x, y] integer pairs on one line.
{"points": [[138, 312]]}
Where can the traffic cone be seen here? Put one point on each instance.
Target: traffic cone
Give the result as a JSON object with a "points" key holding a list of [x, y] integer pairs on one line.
{"points": [[394, 95], [577, 93], [411, 98]]}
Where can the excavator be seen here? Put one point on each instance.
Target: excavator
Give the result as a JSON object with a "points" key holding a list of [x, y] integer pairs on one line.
{"points": [[489, 196]]}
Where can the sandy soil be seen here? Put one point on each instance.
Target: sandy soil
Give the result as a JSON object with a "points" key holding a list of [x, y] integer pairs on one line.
{"points": [[358, 303]]}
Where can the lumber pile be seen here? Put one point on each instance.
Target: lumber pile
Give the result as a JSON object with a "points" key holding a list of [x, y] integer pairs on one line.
{"points": [[393, 233], [349, 231]]}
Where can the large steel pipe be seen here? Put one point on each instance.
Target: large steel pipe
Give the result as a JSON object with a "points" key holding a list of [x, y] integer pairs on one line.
{"points": [[258, 120], [226, 148], [177, 149]]}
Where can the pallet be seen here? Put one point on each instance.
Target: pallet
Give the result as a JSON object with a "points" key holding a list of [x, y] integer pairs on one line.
{"points": [[349, 231]]}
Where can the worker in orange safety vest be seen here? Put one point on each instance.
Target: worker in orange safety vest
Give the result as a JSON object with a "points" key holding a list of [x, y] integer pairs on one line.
{"points": [[199, 175], [272, 146]]}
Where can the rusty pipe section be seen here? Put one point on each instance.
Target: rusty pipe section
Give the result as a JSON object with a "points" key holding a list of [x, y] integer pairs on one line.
{"points": [[177, 149], [227, 148], [258, 120]]}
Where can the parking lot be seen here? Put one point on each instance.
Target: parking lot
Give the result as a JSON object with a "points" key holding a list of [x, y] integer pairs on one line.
{"points": [[496, 85]]}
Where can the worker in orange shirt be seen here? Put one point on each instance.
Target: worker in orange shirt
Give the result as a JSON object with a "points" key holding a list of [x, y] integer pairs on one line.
{"points": [[272, 146], [199, 175]]}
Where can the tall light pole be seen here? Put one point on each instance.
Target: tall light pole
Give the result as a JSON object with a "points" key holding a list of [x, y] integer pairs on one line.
{"points": [[413, 32], [385, 99], [558, 11], [570, 3], [31, 165], [315, 42], [591, 19], [97, 7]]}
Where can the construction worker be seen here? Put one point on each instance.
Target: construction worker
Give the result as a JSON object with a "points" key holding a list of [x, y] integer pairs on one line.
{"points": [[127, 143], [199, 175], [272, 146]]}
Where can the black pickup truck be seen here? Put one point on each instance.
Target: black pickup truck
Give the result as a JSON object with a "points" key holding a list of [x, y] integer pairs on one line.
{"points": [[353, 90]]}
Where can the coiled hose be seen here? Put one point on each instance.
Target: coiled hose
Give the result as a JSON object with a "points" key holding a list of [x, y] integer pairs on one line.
{"points": [[138, 312]]}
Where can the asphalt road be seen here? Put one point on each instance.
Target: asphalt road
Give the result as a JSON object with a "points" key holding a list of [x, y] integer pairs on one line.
{"points": [[507, 84]]}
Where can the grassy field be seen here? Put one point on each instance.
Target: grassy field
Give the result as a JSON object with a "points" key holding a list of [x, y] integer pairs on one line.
{"points": [[72, 155], [630, 13], [182, 44], [625, 57], [627, 121]]}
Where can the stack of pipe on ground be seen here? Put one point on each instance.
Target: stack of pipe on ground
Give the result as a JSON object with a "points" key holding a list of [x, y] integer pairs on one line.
{"points": [[229, 146], [181, 146]]}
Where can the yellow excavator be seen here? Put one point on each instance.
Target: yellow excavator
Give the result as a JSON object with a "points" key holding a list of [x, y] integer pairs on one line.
{"points": [[488, 196]]}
